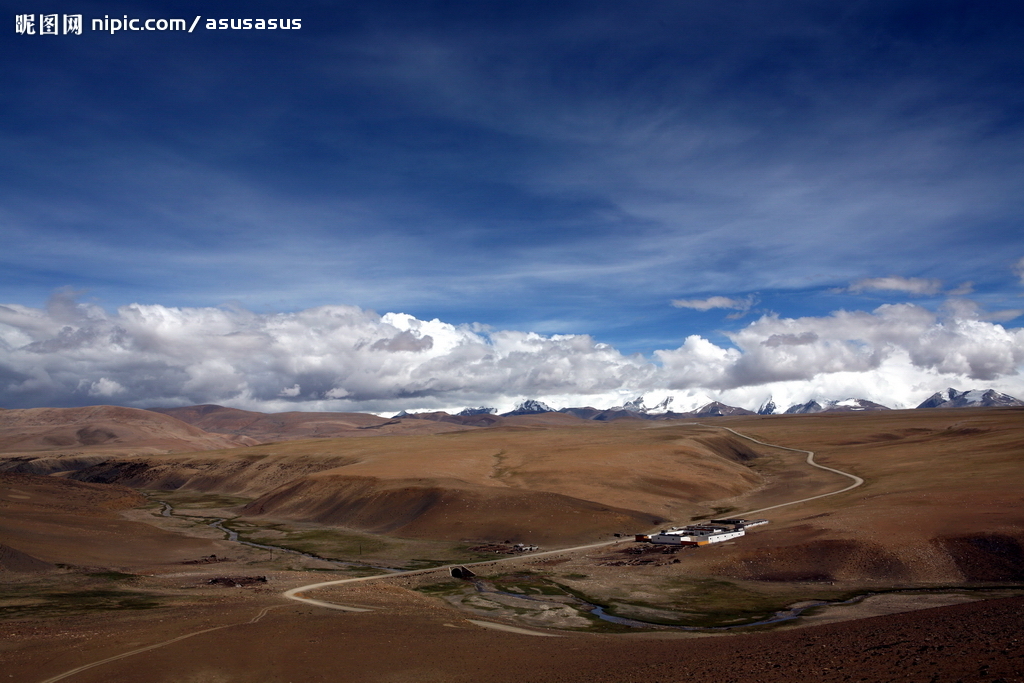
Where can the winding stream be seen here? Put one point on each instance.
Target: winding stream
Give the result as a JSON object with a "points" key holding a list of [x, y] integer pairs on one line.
{"points": [[598, 611], [232, 535]]}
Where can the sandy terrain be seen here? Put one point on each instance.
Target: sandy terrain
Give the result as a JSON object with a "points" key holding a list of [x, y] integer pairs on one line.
{"points": [[496, 484], [104, 429], [268, 427], [410, 638], [90, 575]]}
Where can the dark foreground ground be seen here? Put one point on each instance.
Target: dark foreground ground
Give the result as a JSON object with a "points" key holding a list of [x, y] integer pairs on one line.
{"points": [[414, 639]]}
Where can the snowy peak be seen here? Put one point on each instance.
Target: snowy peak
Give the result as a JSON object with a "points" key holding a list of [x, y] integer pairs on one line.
{"points": [[851, 404], [662, 407], [973, 398], [469, 412], [717, 409], [637, 406], [836, 406], [768, 407], [531, 407], [802, 408]]}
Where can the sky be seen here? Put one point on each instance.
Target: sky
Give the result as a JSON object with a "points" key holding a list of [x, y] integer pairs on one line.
{"points": [[438, 205]]}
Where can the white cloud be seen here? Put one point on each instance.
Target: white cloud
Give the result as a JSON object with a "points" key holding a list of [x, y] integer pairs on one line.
{"points": [[347, 358], [105, 387], [715, 302], [340, 354], [964, 289], [1018, 270], [911, 285]]}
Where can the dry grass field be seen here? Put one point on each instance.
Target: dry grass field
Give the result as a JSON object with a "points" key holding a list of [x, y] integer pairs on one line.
{"points": [[95, 567]]}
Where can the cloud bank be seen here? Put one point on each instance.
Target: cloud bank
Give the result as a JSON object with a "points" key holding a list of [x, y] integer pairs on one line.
{"points": [[347, 358]]}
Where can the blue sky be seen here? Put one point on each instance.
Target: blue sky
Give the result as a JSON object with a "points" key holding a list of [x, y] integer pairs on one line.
{"points": [[642, 174]]}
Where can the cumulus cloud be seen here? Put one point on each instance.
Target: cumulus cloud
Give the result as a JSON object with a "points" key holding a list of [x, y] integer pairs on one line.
{"points": [[910, 285], [105, 387], [791, 339], [347, 358], [151, 354]]}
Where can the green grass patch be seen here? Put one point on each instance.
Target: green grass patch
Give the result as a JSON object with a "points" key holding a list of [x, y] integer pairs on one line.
{"points": [[445, 588], [527, 583], [182, 499], [333, 544], [28, 604], [712, 603]]}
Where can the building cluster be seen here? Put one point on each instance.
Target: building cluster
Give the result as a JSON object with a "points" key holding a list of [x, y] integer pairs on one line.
{"points": [[714, 531]]}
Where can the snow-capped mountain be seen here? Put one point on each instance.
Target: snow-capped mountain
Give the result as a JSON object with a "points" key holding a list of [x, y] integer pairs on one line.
{"points": [[469, 412], [637, 406], [634, 406], [531, 407], [851, 404], [705, 406], [951, 398], [801, 408], [717, 409], [835, 406], [663, 407]]}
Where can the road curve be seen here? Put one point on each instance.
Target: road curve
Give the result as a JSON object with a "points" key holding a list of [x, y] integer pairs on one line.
{"points": [[857, 481], [296, 593]]}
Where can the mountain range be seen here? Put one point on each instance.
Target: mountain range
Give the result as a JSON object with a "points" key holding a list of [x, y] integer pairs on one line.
{"points": [[950, 398]]}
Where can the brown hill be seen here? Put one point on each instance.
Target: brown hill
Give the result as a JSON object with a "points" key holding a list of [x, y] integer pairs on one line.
{"points": [[525, 482], [69, 522], [15, 561], [454, 510], [940, 503], [559, 484], [103, 428], [293, 426]]}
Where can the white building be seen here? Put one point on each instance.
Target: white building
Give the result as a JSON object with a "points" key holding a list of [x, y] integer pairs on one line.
{"points": [[696, 535]]}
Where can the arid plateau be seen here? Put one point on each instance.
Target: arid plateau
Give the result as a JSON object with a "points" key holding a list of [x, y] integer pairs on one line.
{"points": [[208, 544]]}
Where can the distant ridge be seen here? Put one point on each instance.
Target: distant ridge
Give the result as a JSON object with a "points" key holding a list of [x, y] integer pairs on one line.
{"points": [[265, 427], [845, 405], [530, 407], [469, 412], [951, 398], [105, 427], [297, 425], [716, 409]]}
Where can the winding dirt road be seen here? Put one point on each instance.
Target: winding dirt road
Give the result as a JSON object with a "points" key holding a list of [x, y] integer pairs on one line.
{"points": [[857, 481]]}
